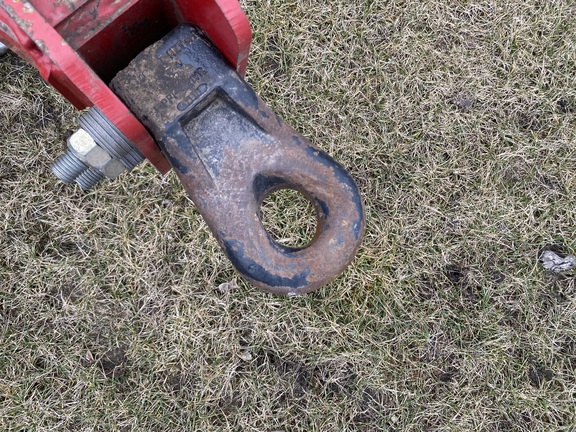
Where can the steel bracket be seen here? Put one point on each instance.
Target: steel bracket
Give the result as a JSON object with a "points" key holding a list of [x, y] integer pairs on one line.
{"points": [[230, 151]]}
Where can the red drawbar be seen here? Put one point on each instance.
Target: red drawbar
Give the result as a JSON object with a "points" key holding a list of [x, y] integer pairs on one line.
{"points": [[79, 45]]}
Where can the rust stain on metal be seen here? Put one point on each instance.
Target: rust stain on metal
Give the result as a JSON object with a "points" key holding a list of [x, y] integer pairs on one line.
{"points": [[87, 19], [230, 151]]}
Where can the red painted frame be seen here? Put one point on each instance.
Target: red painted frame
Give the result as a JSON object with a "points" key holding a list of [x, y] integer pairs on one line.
{"points": [[79, 45]]}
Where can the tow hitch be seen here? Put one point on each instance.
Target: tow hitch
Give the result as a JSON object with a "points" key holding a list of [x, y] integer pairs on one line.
{"points": [[186, 95]]}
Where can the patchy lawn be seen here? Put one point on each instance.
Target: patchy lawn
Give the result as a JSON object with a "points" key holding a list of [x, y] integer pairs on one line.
{"points": [[118, 311]]}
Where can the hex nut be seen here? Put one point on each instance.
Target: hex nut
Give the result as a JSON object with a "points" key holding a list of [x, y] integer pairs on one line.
{"points": [[113, 169], [86, 150]]}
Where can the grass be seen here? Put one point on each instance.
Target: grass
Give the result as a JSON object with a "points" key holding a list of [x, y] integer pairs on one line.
{"points": [[118, 311]]}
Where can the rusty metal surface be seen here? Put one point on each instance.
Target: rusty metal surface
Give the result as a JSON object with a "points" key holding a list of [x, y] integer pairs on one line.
{"points": [[230, 151], [90, 18], [55, 11]]}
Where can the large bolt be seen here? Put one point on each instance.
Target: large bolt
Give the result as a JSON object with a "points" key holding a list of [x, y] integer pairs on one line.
{"points": [[96, 150], [86, 150]]}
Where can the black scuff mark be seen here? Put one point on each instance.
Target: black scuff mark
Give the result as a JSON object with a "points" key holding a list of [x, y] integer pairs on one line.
{"points": [[297, 140], [264, 184], [324, 207], [343, 178], [250, 268]]}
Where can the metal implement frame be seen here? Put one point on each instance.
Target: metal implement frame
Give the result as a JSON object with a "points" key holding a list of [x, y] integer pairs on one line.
{"points": [[74, 45]]}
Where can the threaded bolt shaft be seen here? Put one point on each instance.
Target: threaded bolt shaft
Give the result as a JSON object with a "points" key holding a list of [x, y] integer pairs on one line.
{"points": [[89, 178], [67, 167], [85, 162]]}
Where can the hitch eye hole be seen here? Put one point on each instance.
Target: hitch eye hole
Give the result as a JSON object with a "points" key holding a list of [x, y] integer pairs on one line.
{"points": [[289, 217]]}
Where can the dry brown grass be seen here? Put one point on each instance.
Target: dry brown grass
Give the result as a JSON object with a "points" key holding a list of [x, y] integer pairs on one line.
{"points": [[458, 120]]}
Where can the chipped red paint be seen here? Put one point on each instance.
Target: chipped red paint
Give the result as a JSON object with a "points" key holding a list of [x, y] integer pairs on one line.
{"points": [[232, 39], [79, 45], [56, 11]]}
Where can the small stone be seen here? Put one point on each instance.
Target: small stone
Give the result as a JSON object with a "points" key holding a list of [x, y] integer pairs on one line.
{"points": [[246, 356], [463, 102], [227, 287], [554, 262]]}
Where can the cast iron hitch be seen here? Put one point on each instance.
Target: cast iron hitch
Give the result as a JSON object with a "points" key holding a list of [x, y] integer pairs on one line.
{"points": [[230, 151]]}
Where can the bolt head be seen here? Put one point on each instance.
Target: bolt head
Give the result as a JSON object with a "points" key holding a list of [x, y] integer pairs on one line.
{"points": [[85, 149]]}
